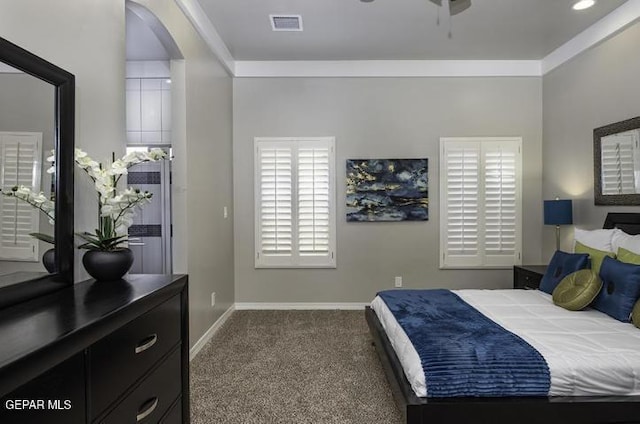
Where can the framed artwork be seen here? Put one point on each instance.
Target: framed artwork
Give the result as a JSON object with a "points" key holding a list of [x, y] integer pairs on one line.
{"points": [[387, 190]]}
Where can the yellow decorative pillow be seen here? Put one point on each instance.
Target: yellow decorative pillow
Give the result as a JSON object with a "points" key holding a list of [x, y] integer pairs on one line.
{"points": [[596, 256], [577, 290], [628, 256]]}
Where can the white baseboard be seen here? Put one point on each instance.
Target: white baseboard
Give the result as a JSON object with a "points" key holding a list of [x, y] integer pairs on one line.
{"points": [[299, 306], [210, 332]]}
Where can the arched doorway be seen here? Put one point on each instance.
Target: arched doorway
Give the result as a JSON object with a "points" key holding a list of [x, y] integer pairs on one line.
{"points": [[151, 53]]}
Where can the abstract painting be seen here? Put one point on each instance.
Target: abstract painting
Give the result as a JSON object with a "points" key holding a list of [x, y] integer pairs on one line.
{"points": [[387, 190]]}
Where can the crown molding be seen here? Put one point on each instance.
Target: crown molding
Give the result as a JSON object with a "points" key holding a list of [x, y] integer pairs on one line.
{"points": [[194, 12], [388, 68], [615, 21]]}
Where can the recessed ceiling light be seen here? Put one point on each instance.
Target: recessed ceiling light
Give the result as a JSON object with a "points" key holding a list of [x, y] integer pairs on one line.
{"points": [[583, 4]]}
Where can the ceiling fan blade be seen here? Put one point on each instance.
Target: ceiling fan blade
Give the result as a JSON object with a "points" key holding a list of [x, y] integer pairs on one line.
{"points": [[457, 6]]}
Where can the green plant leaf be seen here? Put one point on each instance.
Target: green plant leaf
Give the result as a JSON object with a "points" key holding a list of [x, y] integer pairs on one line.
{"points": [[88, 237], [43, 237], [88, 246], [98, 242]]}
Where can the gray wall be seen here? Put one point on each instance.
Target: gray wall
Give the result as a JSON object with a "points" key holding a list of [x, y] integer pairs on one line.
{"points": [[596, 88], [202, 175], [380, 118], [27, 104]]}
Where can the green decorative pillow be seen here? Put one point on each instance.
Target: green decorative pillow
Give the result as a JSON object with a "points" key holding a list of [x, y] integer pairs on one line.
{"points": [[635, 314], [596, 256], [628, 256], [577, 290]]}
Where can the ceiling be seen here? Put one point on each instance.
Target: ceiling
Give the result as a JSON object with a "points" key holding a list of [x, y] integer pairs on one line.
{"points": [[400, 29]]}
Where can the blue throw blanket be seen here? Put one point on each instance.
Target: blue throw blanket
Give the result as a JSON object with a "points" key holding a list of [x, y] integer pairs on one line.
{"points": [[464, 353]]}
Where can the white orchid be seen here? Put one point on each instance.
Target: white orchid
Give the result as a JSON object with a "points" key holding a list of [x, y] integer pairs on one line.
{"points": [[118, 167], [138, 156], [115, 209], [37, 200], [84, 161]]}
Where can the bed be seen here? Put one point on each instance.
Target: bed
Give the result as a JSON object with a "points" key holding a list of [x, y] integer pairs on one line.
{"points": [[601, 408]]}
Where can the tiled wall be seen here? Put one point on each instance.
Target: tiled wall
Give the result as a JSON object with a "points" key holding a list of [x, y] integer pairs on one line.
{"points": [[148, 111]]}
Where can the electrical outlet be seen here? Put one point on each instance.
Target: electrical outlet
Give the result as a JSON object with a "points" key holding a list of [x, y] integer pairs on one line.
{"points": [[225, 212], [213, 299], [398, 281]]}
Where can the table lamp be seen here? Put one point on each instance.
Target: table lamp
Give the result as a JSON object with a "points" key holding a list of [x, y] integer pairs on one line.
{"points": [[558, 212]]}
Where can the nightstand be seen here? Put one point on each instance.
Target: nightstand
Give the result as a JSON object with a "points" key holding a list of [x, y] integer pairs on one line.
{"points": [[528, 276]]}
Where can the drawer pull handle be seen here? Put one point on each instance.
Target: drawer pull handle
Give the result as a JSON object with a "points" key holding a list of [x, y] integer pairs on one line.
{"points": [[147, 408], [146, 343]]}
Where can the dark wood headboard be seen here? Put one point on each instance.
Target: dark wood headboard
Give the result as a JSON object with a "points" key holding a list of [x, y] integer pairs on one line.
{"points": [[627, 222]]}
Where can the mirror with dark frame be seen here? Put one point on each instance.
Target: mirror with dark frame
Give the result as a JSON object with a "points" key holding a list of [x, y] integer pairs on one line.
{"points": [[37, 108], [616, 155]]}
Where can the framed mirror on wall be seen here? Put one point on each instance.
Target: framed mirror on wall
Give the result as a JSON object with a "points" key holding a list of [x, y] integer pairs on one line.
{"points": [[616, 155], [37, 110]]}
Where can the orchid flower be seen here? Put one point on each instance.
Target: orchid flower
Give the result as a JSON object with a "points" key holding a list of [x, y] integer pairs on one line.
{"points": [[116, 209], [37, 200]]}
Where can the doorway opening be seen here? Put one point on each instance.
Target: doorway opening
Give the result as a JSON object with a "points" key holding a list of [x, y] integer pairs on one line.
{"points": [[150, 51]]}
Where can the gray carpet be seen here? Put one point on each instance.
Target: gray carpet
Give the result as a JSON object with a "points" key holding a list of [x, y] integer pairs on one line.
{"points": [[291, 367]]}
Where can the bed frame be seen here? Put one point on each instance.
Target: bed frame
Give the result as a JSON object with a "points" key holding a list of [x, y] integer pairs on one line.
{"points": [[508, 410]]}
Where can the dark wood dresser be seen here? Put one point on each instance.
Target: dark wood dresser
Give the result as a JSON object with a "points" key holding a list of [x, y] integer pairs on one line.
{"points": [[115, 352]]}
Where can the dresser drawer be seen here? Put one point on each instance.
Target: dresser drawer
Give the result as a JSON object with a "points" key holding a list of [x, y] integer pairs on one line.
{"points": [[121, 358], [174, 416], [153, 397]]}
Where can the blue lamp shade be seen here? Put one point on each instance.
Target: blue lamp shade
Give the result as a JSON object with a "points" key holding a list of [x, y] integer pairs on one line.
{"points": [[558, 212]]}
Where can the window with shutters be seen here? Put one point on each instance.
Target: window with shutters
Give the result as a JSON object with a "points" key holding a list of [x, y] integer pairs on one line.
{"points": [[480, 208], [295, 203], [19, 165], [620, 154]]}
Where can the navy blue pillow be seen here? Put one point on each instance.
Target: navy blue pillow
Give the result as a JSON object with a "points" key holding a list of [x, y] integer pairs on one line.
{"points": [[561, 265], [620, 289]]}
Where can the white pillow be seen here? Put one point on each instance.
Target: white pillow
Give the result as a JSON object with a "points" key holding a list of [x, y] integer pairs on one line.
{"points": [[596, 239], [626, 241]]}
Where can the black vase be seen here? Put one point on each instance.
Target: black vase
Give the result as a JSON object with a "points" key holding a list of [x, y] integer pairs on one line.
{"points": [[49, 260], [108, 265]]}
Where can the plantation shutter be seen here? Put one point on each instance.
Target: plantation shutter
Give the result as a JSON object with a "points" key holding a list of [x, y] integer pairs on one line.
{"points": [[480, 211], [275, 202], [19, 165], [618, 166], [295, 202], [461, 203], [501, 201]]}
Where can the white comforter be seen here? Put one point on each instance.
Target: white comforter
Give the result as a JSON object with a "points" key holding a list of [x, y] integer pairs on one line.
{"points": [[588, 352]]}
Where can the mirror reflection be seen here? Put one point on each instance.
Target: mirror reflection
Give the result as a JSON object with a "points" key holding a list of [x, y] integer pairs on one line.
{"points": [[27, 133], [620, 159], [616, 163]]}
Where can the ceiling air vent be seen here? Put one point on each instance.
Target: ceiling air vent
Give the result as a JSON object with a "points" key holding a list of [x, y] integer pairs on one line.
{"points": [[286, 22]]}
